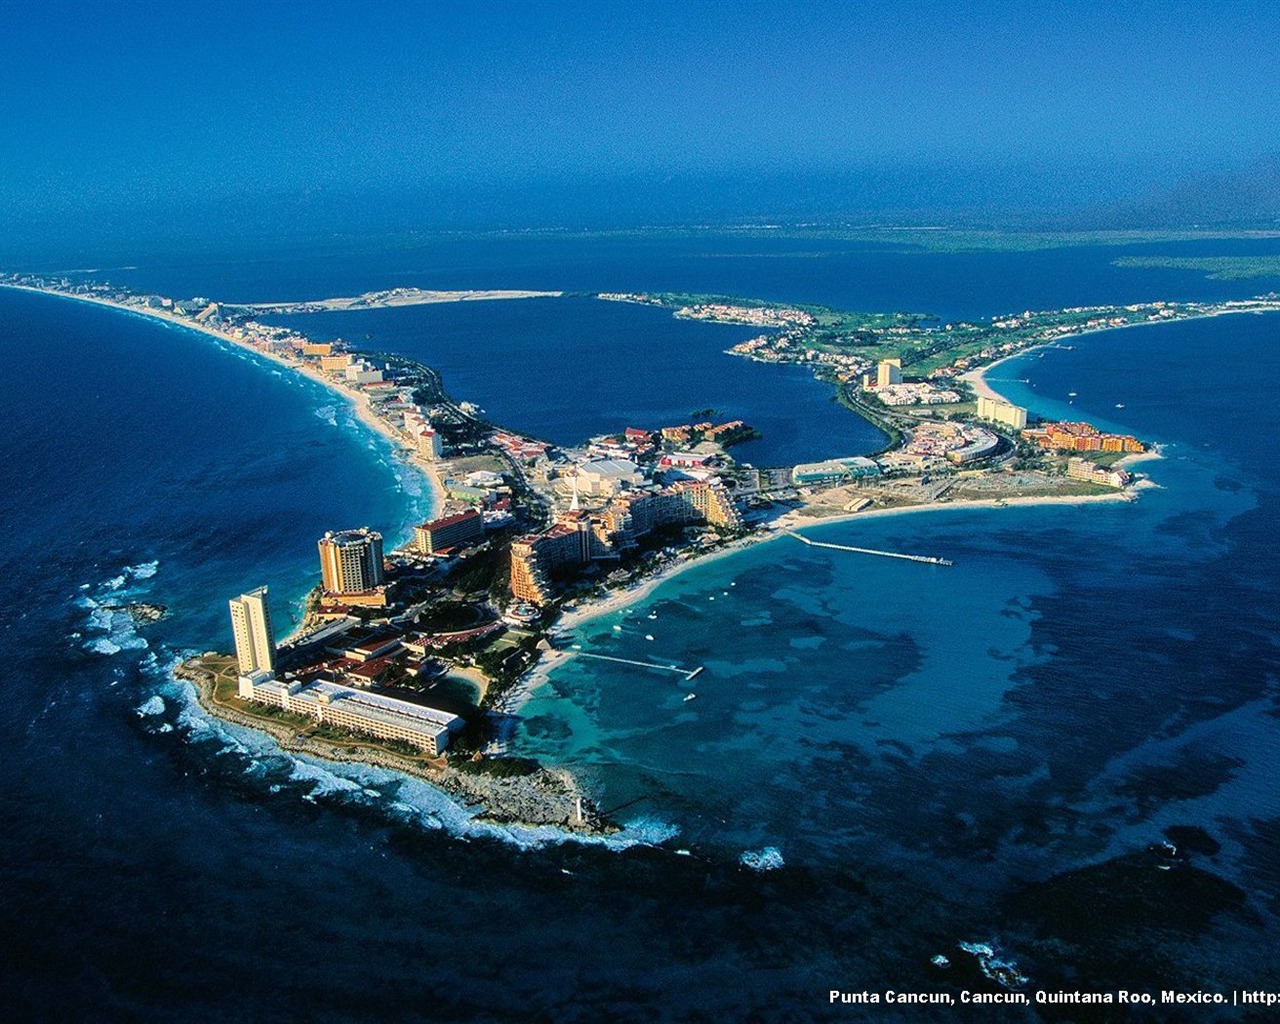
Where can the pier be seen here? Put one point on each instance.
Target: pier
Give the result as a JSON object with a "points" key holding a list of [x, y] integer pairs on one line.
{"points": [[927, 559], [687, 673]]}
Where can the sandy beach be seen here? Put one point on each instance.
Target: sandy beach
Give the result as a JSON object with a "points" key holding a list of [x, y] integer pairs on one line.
{"points": [[976, 379], [395, 297], [358, 401]]}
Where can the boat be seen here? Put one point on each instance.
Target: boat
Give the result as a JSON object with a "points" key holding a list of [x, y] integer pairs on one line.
{"points": [[652, 615], [696, 672], [1119, 405], [1071, 394], [617, 629], [648, 636], [689, 696]]}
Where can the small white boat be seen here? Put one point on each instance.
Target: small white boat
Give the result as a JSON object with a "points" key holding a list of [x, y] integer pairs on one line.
{"points": [[648, 636], [1119, 405], [617, 629], [1071, 394], [652, 615], [689, 696]]}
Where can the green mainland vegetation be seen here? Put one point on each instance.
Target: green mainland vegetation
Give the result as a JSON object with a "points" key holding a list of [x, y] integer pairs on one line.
{"points": [[1216, 268], [938, 239], [841, 338]]}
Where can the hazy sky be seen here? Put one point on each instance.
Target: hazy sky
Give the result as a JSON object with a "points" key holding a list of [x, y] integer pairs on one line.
{"points": [[109, 106]]}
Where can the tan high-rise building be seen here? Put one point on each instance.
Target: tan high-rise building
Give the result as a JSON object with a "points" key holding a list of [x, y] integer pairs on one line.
{"points": [[888, 371], [351, 561], [428, 443], [255, 642], [999, 411]]}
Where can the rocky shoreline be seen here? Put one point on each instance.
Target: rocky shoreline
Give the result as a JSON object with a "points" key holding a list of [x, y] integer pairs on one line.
{"points": [[542, 797], [141, 612]]}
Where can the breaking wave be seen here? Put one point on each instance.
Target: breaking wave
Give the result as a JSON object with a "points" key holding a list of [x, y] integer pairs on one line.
{"points": [[404, 799], [767, 859]]}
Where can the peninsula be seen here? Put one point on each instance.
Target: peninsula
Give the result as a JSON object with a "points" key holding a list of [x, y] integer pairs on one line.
{"points": [[384, 299], [414, 658]]}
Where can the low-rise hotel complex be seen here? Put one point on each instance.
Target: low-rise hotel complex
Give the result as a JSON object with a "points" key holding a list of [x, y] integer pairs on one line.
{"points": [[1088, 472], [449, 532], [320, 696], [1082, 437], [371, 714], [835, 471]]}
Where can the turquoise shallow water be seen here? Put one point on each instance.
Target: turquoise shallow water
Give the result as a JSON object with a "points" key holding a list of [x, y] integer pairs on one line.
{"points": [[1083, 677]]}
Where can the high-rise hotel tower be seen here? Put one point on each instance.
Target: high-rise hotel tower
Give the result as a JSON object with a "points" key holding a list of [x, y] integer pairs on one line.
{"points": [[351, 561], [255, 642]]}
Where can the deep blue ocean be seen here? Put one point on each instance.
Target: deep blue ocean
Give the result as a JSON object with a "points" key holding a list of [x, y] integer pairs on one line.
{"points": [[884, 759]]}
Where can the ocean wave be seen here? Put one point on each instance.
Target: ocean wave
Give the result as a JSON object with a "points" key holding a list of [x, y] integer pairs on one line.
{"points": [[322, 779], [153, 705], [994, 966], [767, 859], [116, 623], [644, 832], [328, 413]]}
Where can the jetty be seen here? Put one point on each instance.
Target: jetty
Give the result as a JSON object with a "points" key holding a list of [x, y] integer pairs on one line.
{"points": [[927, 559], [687, 673]]}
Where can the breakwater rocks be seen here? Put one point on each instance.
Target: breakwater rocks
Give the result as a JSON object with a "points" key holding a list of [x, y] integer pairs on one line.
{"points": [[530, 795], [140, 611], [544, 796]]}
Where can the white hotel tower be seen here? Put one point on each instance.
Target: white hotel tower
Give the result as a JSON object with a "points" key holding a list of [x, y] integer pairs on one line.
{"points": [[255, 642]]}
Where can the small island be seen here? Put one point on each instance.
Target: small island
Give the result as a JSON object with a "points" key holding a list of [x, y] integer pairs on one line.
{"points": [[416, 658]]}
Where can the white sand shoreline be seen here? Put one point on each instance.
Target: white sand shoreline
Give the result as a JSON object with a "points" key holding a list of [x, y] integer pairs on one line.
{"points": [[391, 299], [358, 401], [977, 378]]}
